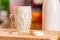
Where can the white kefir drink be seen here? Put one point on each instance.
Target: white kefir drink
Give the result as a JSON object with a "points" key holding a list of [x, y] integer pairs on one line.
{"points": [[51, 15], [23, 19]]}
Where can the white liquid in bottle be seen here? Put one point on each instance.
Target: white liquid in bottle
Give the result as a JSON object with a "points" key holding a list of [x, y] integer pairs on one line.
{"points": [[51, 15]]}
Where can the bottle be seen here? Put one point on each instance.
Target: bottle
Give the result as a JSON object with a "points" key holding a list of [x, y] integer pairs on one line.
{"points": [[36, 14], [51, 15]]}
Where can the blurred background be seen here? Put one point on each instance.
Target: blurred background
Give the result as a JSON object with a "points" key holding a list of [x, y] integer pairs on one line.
{"points": [[7, 8]]}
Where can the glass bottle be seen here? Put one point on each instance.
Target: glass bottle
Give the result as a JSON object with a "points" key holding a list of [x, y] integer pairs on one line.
{"points": [[36, 14], [51, 15]]}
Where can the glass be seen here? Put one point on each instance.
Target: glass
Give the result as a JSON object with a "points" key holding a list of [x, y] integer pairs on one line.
{"points": [[22, 16]]}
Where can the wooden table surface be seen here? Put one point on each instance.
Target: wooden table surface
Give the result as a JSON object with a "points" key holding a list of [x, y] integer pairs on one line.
{"points": [[48, 35]]}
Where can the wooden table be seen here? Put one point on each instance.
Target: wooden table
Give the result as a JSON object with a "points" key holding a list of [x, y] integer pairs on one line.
{"points": [[48, 35]]}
